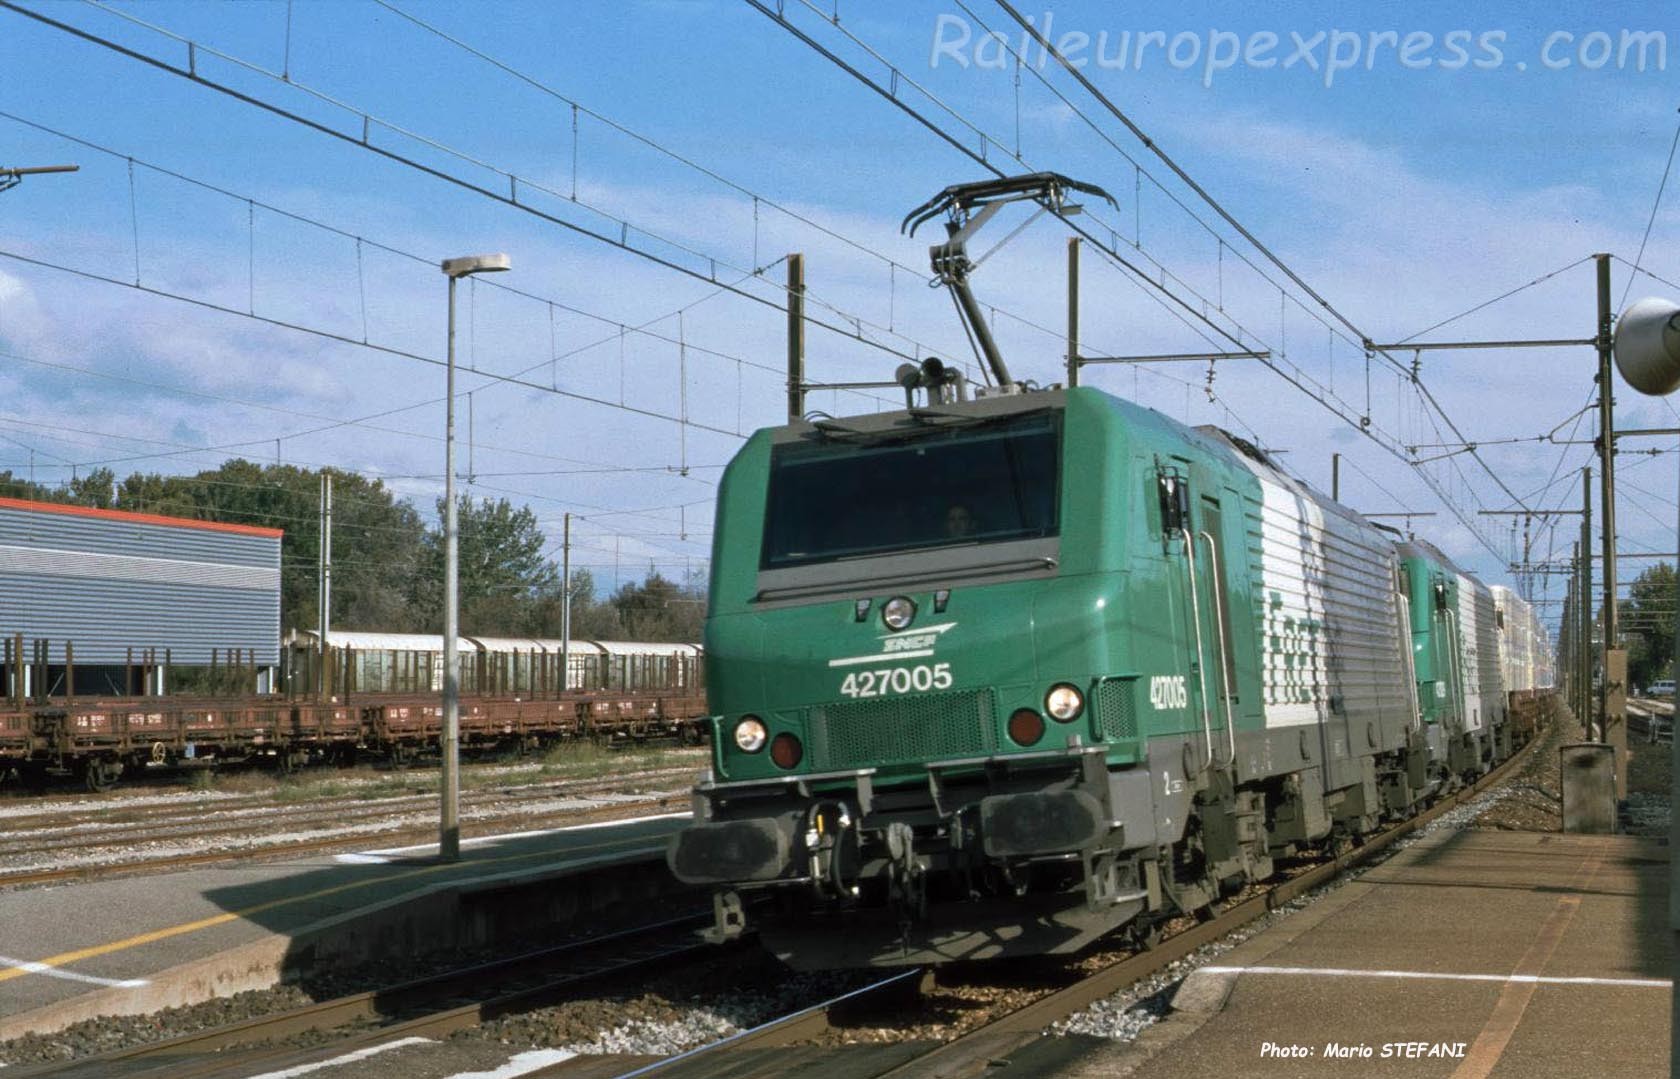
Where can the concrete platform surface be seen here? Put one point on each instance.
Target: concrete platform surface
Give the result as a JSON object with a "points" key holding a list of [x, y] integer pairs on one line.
{"points": [[134, 944], [1470, 954]]}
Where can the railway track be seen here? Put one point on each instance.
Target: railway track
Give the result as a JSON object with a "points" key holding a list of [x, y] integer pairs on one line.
{"points": [[439, 1006], [1652, 721], [46, 831], [428, 1008], [415, 833], [781, 1045]]}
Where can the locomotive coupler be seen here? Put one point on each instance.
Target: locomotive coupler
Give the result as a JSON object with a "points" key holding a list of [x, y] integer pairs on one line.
{"points": [[831, 844]]}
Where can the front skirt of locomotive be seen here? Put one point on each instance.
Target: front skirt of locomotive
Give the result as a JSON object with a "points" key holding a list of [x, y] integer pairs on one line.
{"points": [[986, 858]]}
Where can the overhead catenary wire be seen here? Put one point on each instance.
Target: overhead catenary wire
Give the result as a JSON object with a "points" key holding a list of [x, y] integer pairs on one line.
{"points": [[1364, 338], [624, 228], [758, 197], [1656, 204], [389, 350], [361, 423], [1141, 173], [511, 199], [343, 498], [1184, 177], [1109, 252], [1173, 304], [621, 327], [1503, 296], [1291, 299], [1155, 284]]}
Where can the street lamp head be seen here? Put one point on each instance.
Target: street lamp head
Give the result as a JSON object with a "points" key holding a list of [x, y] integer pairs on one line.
{"points": [[1647, 346], [471, 264]]}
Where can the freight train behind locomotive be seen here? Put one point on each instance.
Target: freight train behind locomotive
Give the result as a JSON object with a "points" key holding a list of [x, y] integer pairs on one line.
{"points": [[1000, 676], [376, 697]]}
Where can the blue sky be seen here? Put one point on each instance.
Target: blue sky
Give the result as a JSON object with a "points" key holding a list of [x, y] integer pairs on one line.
{"points": [[1403, 193]]}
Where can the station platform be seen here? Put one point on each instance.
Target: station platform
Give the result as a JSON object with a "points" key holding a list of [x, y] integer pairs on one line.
{"points": [[1471, 953], [135, 944]]}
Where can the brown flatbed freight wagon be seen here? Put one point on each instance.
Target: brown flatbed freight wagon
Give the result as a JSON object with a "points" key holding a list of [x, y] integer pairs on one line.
{"points": [[96, 739]]}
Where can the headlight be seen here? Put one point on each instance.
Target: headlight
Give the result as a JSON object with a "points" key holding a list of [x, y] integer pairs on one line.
{"points": [[750, 734], [1064, 702], [899, 612]]}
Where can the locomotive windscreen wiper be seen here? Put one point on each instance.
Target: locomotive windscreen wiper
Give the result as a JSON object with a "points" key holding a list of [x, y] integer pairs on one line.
{"points": [[940, 417], [968, 207], [837, 428]]}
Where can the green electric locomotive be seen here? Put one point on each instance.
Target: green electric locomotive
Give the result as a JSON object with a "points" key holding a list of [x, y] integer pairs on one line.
{"points": [[999, 676], [1455, 630], [1003, 675]]}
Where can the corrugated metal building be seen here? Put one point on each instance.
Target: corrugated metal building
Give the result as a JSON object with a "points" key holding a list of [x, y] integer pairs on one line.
{"points": [[116, 584]]}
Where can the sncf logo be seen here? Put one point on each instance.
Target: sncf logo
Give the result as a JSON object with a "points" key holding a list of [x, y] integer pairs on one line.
{"points": [[909, 644]]}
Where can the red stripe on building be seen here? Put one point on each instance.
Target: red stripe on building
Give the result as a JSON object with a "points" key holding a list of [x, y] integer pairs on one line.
{"points": [[137, 518]]}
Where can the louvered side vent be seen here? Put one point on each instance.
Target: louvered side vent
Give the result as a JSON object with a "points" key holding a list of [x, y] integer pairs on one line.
{"points": [[1116, 714], [935, 726]]}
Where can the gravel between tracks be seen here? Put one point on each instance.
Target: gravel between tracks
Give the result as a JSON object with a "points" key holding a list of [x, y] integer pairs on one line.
{"points": [[674, 1016], [506, 815], [1125, 1015], [1529, 801], [695, 1005], [120, 1032], [675, 1012], [92, 832]]}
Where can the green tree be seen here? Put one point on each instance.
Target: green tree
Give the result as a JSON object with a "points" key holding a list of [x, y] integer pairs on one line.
{"points": [[1648, 614], [378, 540], [659, 609], [22, 487], [387, 563], [504, 573], [592, 618], [97, 489]]}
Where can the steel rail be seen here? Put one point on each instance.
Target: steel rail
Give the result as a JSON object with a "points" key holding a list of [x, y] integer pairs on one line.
{"points": [[1007, 1033], [306, 846], [977, 1049], [206, 1052], [797, 1026], [171, 822]]}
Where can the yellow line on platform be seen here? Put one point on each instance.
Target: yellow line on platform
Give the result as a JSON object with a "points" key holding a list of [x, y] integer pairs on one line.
{"points": [[1502, 1023], [184, 928]]}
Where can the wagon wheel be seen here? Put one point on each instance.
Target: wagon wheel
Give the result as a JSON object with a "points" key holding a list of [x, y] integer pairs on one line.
{"points": [[1145, 933], [101, 775]]}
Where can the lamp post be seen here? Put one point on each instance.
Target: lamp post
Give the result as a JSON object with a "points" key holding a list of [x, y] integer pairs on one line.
{"points": [[1646, 347], [449, 828]]}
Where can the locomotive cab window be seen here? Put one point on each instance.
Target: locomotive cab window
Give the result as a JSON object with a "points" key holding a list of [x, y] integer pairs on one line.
{"points": [[972, 485], [1174, 494]]}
